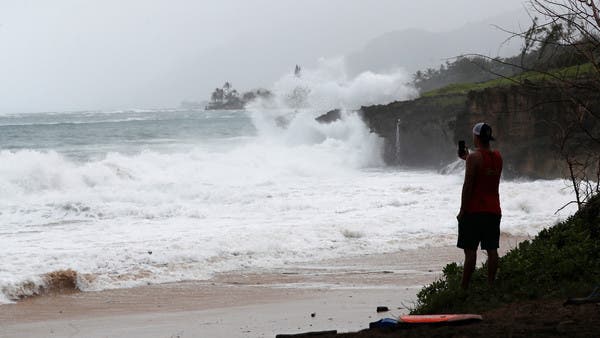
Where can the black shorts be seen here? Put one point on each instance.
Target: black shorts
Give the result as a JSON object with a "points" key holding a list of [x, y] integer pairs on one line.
{"points": [[479, 227]]}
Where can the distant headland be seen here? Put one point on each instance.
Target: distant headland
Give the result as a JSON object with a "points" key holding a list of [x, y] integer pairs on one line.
{"points": [[228, 98]]}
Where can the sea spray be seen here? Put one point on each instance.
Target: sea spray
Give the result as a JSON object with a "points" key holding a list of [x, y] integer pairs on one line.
{"points": [[346, 141], [328, 86], [397, 144], [288, 116]]}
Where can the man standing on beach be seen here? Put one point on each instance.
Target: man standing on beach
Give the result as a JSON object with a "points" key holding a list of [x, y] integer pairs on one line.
{"points": [[479, 216]]}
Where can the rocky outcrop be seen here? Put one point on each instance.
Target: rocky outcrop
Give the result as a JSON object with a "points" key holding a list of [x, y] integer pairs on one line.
{"points": [[529, 123], [330, 116], [418, 133]]}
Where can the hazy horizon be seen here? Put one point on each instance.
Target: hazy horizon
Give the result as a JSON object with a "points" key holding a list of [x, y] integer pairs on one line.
{"points": [[70, 56]]}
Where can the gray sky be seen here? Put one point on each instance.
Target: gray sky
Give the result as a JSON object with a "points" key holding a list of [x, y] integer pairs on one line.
{"points": [[119, 54]]}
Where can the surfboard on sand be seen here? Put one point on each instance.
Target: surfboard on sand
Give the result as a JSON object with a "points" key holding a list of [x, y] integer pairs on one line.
{"points": [[434, 319], [417, 320]]}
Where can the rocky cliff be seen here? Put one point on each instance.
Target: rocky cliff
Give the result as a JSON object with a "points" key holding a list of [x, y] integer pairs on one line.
{"points": [[419, 133], [529, 122]]}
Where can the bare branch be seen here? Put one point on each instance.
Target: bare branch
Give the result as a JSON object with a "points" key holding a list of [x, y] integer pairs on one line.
{"points": [[564, 206]]}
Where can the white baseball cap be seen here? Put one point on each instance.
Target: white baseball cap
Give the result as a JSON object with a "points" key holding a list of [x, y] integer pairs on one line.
{"points": [[483, 130]]}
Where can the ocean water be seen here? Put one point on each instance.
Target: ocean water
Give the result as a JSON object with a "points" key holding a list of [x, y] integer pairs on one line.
{"points": [[133, 197]]}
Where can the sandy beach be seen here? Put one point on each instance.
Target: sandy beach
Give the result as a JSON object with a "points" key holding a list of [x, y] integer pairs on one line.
{"points": [[339, 294]]}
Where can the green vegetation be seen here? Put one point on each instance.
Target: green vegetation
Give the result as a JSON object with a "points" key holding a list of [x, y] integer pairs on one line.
{"points": [[229, 98], [442, 101], [464, 69], [567, 73], [547, 46], [562, 261]]}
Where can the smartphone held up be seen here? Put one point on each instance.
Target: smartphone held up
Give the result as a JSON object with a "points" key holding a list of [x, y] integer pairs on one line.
{"points": [[462, 150]]}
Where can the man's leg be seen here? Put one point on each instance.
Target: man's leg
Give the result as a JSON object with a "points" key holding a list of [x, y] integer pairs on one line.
{"points": [[492, 264], [469, 267]]}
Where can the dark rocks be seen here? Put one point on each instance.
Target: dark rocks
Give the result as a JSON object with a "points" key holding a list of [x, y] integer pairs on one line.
{"points": [[330, 116], [308, 334], [417, 133]]}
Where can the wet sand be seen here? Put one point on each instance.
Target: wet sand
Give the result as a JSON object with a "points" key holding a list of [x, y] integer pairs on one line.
{"points": [[342, 294]]}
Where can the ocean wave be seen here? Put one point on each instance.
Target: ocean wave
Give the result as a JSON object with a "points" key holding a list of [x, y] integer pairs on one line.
{"points": [[89, 112], [55, 282], [456, 167], [76, 122]]}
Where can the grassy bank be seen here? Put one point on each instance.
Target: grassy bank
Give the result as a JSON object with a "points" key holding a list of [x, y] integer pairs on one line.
{"points": [[560, 262], [573, 72]]}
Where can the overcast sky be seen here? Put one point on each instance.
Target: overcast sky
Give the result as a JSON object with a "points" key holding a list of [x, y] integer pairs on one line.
{"points": [[120, 54]]}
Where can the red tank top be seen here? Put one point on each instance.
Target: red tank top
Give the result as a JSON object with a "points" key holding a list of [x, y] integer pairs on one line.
{"points": [[485, 197]]}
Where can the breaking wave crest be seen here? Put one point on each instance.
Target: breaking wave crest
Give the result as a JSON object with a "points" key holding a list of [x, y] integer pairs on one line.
{"points": [[55, 282]]}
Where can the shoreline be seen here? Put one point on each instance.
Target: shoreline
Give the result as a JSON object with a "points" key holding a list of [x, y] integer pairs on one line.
{"points": [[342, 293]]}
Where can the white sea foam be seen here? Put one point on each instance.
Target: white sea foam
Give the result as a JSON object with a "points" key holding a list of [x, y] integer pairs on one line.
{"points": [[261, 205]]}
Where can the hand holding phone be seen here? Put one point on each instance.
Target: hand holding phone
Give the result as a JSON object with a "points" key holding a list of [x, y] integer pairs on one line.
{"points": [[462, 150]]}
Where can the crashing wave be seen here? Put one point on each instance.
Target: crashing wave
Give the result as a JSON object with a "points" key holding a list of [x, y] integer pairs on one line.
{"points": [[55, 282]]}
